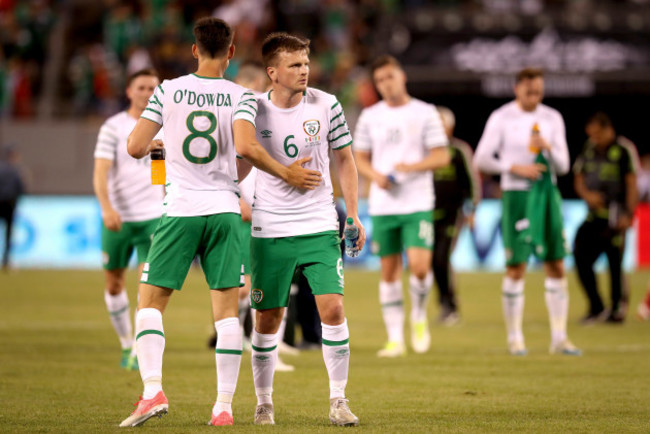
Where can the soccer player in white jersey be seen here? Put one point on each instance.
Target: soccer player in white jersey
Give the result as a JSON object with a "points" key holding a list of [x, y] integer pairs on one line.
{"points": [[297, 229], [203, 115], [399, 141], [131, 206], [513, 136]]}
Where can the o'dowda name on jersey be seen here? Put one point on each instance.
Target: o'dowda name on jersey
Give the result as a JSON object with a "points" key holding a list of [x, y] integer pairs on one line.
{"points": [[202, 99]]}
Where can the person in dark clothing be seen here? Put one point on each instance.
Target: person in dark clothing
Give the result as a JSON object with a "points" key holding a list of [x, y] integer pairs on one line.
{"points": [[605, 177], [11, 188], [458, 191]]}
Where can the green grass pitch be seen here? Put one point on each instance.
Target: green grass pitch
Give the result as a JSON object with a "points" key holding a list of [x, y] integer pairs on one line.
{"points": [[59, 368]]}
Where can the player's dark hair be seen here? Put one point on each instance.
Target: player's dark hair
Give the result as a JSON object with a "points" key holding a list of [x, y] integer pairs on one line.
{"points": [[277, 42], [528, 74], [146, 72], [212, 36], [382, 61], [601, 119]]}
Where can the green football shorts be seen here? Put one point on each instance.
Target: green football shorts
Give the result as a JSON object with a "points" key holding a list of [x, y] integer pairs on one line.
{"points": [[216, 238], [392, 234], [513, 221], [275, 260], [117, 247]]}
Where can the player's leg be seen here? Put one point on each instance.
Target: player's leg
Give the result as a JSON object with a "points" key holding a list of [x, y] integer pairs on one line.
{"points": [[557, 302], [417, 235], [116, 252], [643, 311], [174, 246], [273, 262], [443, 236], [387, 243], [517, 254], [614, 252], [221, 260], [586, 249], [320, 258]]}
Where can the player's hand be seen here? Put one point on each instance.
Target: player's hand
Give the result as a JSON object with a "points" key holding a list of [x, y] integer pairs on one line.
{"points": [[594, 200], [469, 219], [300, 177], [361, 241], [155, 144], [538, 142], [403, 167], [624, 222], [383, 181], [529, 171], [112, 220]]}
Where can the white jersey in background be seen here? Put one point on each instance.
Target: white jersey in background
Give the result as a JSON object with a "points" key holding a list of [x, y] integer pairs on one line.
{"points": [[129, 180], [505, 142], [393, 135], [310, 129], [197, 114]]}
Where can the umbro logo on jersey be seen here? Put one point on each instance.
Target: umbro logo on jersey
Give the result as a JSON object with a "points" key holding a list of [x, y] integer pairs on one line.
{"points": [[266, 134]]}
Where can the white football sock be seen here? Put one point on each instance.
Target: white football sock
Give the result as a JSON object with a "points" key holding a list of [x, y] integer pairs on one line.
{"points": [[512, 297], [228, 359], [118, 310], [419, 291], [151, 346], [336, 353], [263, 358], [557, 303], [392, 309]]}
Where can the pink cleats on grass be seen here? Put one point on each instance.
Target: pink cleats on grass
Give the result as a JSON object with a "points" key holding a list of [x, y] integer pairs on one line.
{"points": [[146, 409], [222, 419]]}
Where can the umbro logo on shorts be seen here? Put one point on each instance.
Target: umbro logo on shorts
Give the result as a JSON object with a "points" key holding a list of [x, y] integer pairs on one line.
{"points": [[266, 134]]}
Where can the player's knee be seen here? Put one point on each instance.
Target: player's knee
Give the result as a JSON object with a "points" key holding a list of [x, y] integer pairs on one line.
{"points": [[333, 314], [420, 271], [114, 286]]}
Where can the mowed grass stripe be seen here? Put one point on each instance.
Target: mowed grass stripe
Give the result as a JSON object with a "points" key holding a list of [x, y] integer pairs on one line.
{"points": [[59, 365]]}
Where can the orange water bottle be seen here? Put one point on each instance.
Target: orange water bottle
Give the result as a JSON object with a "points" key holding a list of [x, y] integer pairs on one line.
{"points": [[533, 133], [158, 174]]}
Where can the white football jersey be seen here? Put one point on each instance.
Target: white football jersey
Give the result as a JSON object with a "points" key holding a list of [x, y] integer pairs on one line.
{"points": [[505, 142], [310, 129], [197, 114], [129, 180], [393, 135]]}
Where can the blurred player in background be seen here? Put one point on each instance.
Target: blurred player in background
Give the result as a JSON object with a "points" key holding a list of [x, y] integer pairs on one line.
{"points": [[458, 191], [605, 177], [297, 229], [399, 141], [513, 138], [203, 115], [131, 206]]}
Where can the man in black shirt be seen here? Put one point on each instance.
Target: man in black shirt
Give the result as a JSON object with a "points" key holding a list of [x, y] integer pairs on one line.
{"points": [[458, 189], [605, 177]]}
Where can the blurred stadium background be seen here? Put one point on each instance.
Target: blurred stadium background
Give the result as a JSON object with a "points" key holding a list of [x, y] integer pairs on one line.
{"points": [[63, 65], [62, 70]]}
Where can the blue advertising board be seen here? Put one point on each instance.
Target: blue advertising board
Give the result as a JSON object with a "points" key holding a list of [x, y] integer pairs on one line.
{"points": [[65, 232]]}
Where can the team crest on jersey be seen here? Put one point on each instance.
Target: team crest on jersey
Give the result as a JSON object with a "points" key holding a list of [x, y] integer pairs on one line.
{"points": [[257, 295], [311, 127]]}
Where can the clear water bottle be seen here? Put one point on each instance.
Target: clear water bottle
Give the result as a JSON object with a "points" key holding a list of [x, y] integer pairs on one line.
{"points": [[351, 235]]}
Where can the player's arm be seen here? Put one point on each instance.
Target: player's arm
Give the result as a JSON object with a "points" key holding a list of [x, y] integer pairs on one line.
{"points": [[631, 164], [140, 141], [558, 149], [437, 158], [110, 217], [246, 210], [593, 198], [366, 170], [247, 146], [349, 181], [243, 168]]}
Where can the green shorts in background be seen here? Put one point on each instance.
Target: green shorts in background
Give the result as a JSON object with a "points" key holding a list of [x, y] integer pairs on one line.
{"points": [[392, 234], [117, 247], [275, 260], [246, 246], [513, 221], [216, 238]]}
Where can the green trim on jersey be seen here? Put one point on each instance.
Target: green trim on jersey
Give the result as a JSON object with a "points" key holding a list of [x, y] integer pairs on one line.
{"points": [[152, 110], [334, 106], [207, 78], [151, 120], [161, 89], [343, 146]]}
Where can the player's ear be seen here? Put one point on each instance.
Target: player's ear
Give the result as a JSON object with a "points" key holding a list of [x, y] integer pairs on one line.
{"points": [[272, 73], [231, 51], [195, 51]]}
